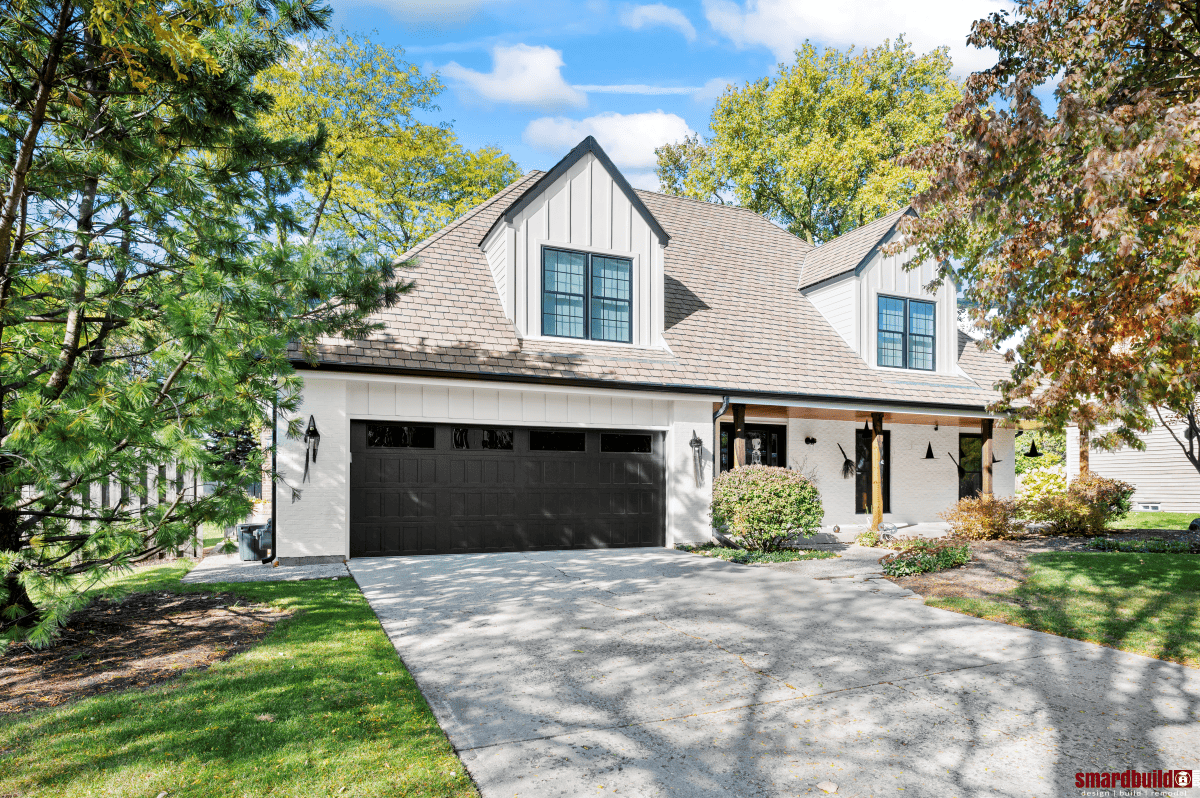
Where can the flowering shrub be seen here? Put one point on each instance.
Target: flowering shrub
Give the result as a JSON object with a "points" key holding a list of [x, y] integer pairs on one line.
{"points": [[1042, 482], [984, 517], [924, 557], [760, 507], [1088, 506]]}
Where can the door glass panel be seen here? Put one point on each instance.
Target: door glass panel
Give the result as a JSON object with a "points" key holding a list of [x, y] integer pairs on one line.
{"points": [[399, 436], [622, 442], [970, 466], [480, 438], [862, 471]]}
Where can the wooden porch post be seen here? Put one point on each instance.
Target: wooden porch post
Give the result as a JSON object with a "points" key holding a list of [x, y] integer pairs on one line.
{"points": [[985, 455], [739, 436], [1085, 453], [876, 471]]}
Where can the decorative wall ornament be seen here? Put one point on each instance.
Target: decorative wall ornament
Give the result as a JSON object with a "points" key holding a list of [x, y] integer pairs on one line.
{"points": [[929, 452], [847, 464], [312, 440], [697, 458], [1033, 450], [810, 440]]}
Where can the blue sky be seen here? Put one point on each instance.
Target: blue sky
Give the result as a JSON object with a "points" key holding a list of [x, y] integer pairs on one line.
{"points": [[536, 77]]}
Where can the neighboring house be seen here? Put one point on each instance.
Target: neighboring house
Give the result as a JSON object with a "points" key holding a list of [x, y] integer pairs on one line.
{"points": [[553, 379], [1165, 480]]}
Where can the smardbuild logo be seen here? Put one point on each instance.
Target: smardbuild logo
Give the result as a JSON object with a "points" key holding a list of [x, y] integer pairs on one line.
{"points": [[1132, 779]]}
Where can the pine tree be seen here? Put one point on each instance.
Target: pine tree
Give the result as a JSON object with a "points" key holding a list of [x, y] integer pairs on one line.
{"points": [[153, 276]]}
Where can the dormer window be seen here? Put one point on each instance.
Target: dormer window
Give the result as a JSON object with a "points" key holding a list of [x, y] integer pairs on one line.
{"points": [[906, 333], [587, 296]]}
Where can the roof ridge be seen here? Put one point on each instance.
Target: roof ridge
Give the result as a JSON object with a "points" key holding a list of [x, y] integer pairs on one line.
{"points": [[469, 214], [863, 225]]}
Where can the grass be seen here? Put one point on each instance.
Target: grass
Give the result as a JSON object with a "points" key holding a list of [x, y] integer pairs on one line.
{"points": [[1145, 603], [1142, 546], [750, 557], [1154, 521], [323, 706]]}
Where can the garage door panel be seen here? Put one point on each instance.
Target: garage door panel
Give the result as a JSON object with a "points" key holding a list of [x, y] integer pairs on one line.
{"points": [[502, 498]]}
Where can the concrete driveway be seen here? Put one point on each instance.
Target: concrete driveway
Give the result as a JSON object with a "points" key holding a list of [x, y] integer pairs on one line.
{"points": [[655, 672]]}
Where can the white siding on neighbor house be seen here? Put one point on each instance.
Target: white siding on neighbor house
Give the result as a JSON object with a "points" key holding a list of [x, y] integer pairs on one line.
{"points": [[885, 274], [583, 210], [318, 524], [920, 488], [836, 303], [1161, 473]]}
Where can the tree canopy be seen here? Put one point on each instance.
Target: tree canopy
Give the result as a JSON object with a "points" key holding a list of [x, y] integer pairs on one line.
{"points": [[386, 178], [153, 273], [1075, 228], [816, 147]]}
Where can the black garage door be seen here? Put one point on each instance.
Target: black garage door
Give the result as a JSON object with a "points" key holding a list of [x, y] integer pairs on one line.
{"points": [[442, 489]]}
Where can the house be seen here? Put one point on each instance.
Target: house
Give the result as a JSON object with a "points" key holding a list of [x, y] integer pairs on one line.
{"points": [[1165, 479], [577, 358]]}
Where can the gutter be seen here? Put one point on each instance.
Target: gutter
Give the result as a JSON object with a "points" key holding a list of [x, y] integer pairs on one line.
{"points": [[723, 408]]}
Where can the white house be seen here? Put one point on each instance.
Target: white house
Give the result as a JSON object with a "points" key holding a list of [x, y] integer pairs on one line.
{"points": [[577, 357], [1165, 480]]}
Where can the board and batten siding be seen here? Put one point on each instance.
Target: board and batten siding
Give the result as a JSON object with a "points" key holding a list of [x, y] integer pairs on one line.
{"points": [[885, 274], [1161, 473], [583, 210], [836, 303]]}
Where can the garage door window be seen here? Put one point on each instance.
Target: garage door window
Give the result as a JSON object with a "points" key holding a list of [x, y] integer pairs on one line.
{"points": [[555, 440], [399, 436], [620, 442], [480, 438]]}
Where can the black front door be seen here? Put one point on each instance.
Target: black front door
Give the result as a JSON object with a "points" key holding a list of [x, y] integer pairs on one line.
{"points": [[766, 444], [862, 471], [970, 465]]}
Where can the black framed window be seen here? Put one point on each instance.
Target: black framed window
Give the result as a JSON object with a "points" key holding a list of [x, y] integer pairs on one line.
{"points": [[906, 333], [399, 436], [557, 440], [587, 296], [625, 442], [481, 438]]}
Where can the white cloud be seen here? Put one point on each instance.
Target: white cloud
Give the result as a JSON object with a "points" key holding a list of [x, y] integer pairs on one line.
{"points": [[638, 17], [711, 90], [431, 13], [521, 75], [783, 25], [629, 139]]}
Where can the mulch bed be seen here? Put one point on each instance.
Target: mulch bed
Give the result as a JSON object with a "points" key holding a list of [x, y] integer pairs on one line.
{"points": [[140, 640], [998, 566]]}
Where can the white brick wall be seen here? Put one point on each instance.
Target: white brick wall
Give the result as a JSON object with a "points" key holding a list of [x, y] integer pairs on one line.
{"points": [[688, 507]]}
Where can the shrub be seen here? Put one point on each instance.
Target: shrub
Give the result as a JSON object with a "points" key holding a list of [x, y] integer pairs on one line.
{"points": [[760, 507], [869, 539], [1088, 506], [1042, 482], [925, 556], [984, 517]]}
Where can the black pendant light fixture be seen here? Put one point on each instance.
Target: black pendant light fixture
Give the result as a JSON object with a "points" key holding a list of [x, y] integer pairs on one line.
{"points": [[929, 452]]}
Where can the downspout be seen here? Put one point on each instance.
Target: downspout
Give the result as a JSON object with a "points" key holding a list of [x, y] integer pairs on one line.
{"points": [[717, 435]]}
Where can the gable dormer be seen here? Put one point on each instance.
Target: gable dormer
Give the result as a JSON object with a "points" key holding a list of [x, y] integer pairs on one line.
{"points": [[877, 306], [578, 257]]}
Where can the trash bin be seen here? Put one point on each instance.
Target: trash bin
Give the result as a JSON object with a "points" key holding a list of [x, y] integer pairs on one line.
{"points": [[249, 541]]}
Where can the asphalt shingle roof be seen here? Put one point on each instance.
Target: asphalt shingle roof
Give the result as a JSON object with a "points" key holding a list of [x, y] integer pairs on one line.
{"points": [[735, 321], [844, 253]]}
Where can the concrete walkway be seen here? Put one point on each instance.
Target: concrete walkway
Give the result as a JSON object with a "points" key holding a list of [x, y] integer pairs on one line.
{"points": [[655, 672], [231, 568]]}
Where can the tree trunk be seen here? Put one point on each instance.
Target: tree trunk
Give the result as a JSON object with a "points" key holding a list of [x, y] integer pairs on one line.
{"points": [[876, 471], [986, 453], [1084, 453], [18, 608], [739, 436]]}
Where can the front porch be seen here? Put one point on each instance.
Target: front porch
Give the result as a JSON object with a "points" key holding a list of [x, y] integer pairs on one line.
{"points": [[920, 468]]}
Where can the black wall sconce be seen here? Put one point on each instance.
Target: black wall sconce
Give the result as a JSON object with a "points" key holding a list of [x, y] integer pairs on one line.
{"points": [[697, 457], [810, 440], [935, 425], [312, 440]]}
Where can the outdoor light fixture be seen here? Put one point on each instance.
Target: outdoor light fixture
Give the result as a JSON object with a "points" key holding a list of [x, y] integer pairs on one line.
{"points": [[312, 440], [1033, 450], [935, 425], [697, 456], [929, 452], [810, 440]]}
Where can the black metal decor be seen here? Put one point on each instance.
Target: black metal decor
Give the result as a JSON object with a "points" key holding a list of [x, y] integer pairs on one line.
{"points": [[929, 452], [312, 440], [697, 457], [1033, 450], [847, 464]]}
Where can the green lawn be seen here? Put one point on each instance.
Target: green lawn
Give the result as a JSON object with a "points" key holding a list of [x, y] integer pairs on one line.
{"points": [[1145, 603], [345, 716], [1154, 521]]}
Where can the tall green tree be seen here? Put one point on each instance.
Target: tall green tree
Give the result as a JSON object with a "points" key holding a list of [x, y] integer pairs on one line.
{"points": [[386, 178], [816, 147], [152, 277], [1075, 225]]}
